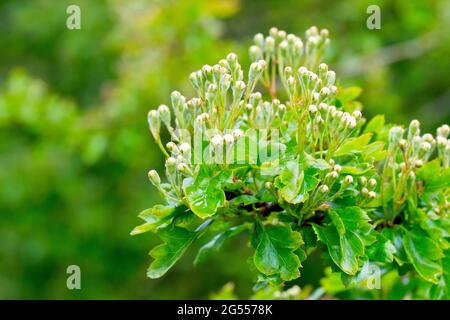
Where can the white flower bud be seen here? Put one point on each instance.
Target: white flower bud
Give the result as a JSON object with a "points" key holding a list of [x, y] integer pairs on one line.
{"points": [[268, 185], [182, 167], [238, 133], [372, 194], [363, 180], [185, 148], [270, 44], [259, 40], [425, 146], [324, 33], [217, 140], [357, 114], [324, 188], [228, 138], [154, 123], [351, 122], [171, 161], [372, 182], [331, 78], [333, 174], [154, 177], [312, 109], [240, 85], [332, 109], [441, 141], [365, 191], [164, 114], [428, 138], [348, 179], [443, 131], [418, 163], [171, 146], [402, 144], [337, 168]]}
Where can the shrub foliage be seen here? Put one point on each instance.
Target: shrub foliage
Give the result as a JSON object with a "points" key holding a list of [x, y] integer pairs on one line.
{"points": [[283, 154]]}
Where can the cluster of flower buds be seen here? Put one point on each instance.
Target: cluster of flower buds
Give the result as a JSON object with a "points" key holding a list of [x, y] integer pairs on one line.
{"points": [[443, 145], [334, 181], [264, 114], [222, 91], [415, 150], [282, 49], [328, 127]]}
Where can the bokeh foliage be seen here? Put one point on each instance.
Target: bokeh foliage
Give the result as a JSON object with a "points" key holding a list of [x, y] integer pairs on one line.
{"points": [[74, 142]]}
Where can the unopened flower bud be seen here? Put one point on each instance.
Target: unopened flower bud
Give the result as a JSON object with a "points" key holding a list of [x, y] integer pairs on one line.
{"points": [[259, 40], [441, 142], [395, 134], [365, 191], [337, 168], [164, 114], [154, 177], [312, 109], [348, 180], [351, 122], [171, 161], [270, 44], [443, 131], [414, 129], [372, 194], [418, 163], [238, 133], [324, 188], [357, 114], [154, 123], [228, 138], [372, 183], [182, 167], [402, 144], [268, 185], [185, 148], [363, 180], [255, 53], [217, 140]]}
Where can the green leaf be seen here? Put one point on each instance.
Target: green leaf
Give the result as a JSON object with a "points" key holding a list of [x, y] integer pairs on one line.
{"points": [[382, 250], [433, 176], [349, 94], [344, 250], [244, 199], [294, 184], [157, 217], [354, 145], [394, 235], [442, 289], [375, 125], [275, 247], [374, 151], [424, 254], [319, 164], [176, 241], [205, 195], [216, 243]]}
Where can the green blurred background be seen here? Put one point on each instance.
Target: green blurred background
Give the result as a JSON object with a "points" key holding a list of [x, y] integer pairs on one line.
{"points": [[74, 142]]}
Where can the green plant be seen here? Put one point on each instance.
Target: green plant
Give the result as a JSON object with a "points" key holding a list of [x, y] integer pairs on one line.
{"points": [[301, 176]]}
